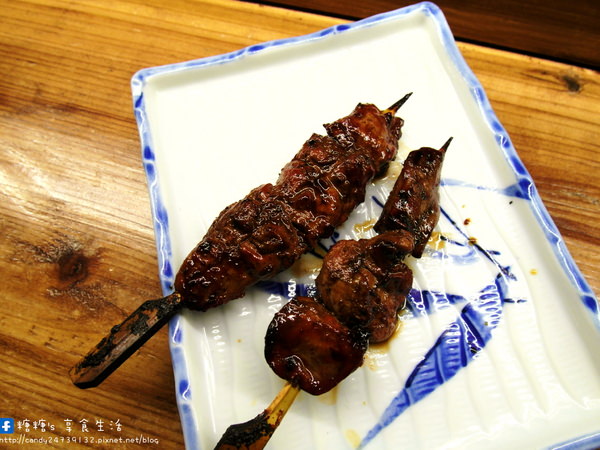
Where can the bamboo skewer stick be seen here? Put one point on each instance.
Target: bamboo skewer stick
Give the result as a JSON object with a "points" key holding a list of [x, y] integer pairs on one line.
{"points": [[444, 147], [396, 106], [123, 340], [254, 434]]}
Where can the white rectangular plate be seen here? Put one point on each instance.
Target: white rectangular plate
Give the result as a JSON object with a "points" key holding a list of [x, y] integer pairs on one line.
{"points": [[499, 345]]}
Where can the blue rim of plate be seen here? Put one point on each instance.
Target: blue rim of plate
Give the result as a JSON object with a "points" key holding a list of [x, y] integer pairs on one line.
{"points": [[161, 219]]}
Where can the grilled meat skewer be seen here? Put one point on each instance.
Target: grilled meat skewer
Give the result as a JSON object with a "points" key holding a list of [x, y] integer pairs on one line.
{"points": [[360, 289], [364, 283], [307, 345], [267, 231], [416, 201], [314, 343]]}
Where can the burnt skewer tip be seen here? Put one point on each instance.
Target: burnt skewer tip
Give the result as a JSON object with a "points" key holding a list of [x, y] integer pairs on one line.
{"points": [[123, 340], [254, 434], [396, 106], [444, 147]]}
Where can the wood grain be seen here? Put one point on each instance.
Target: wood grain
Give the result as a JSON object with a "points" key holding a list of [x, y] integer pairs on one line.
{"points": [[77, 249], [556, 29], [552, 114]]}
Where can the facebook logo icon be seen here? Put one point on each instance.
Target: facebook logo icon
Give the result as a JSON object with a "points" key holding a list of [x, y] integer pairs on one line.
{"points": [[7, 426]]}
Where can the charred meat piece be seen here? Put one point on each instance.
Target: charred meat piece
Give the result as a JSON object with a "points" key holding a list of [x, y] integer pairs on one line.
{"points": [[308, 346], [250, 240], [323, 189], [365, 129], [314, 343], [267, 231], [416, 202], [365, 283]]}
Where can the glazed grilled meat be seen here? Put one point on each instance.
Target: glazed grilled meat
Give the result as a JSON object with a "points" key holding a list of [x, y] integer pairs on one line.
{"points": [[274, 225], [315, 343], [307, 345], [416, 202], [364, 283]]}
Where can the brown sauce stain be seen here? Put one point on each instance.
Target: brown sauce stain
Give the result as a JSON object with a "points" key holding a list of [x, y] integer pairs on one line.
{"points": [[363, 227], [353, 438], [329, 398], [437, 241], [393, 171], [384, 347], [381, 348], [307, 265]]}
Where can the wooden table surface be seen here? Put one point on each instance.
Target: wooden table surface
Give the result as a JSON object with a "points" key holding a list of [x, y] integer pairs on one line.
{"points": [[77, 251], [562, 30]]}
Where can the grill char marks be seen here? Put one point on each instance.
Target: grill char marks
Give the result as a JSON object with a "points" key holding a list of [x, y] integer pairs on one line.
{"points": [[361, 286], [305, 336], [267, 231], [365, 283], [416, 201]]}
